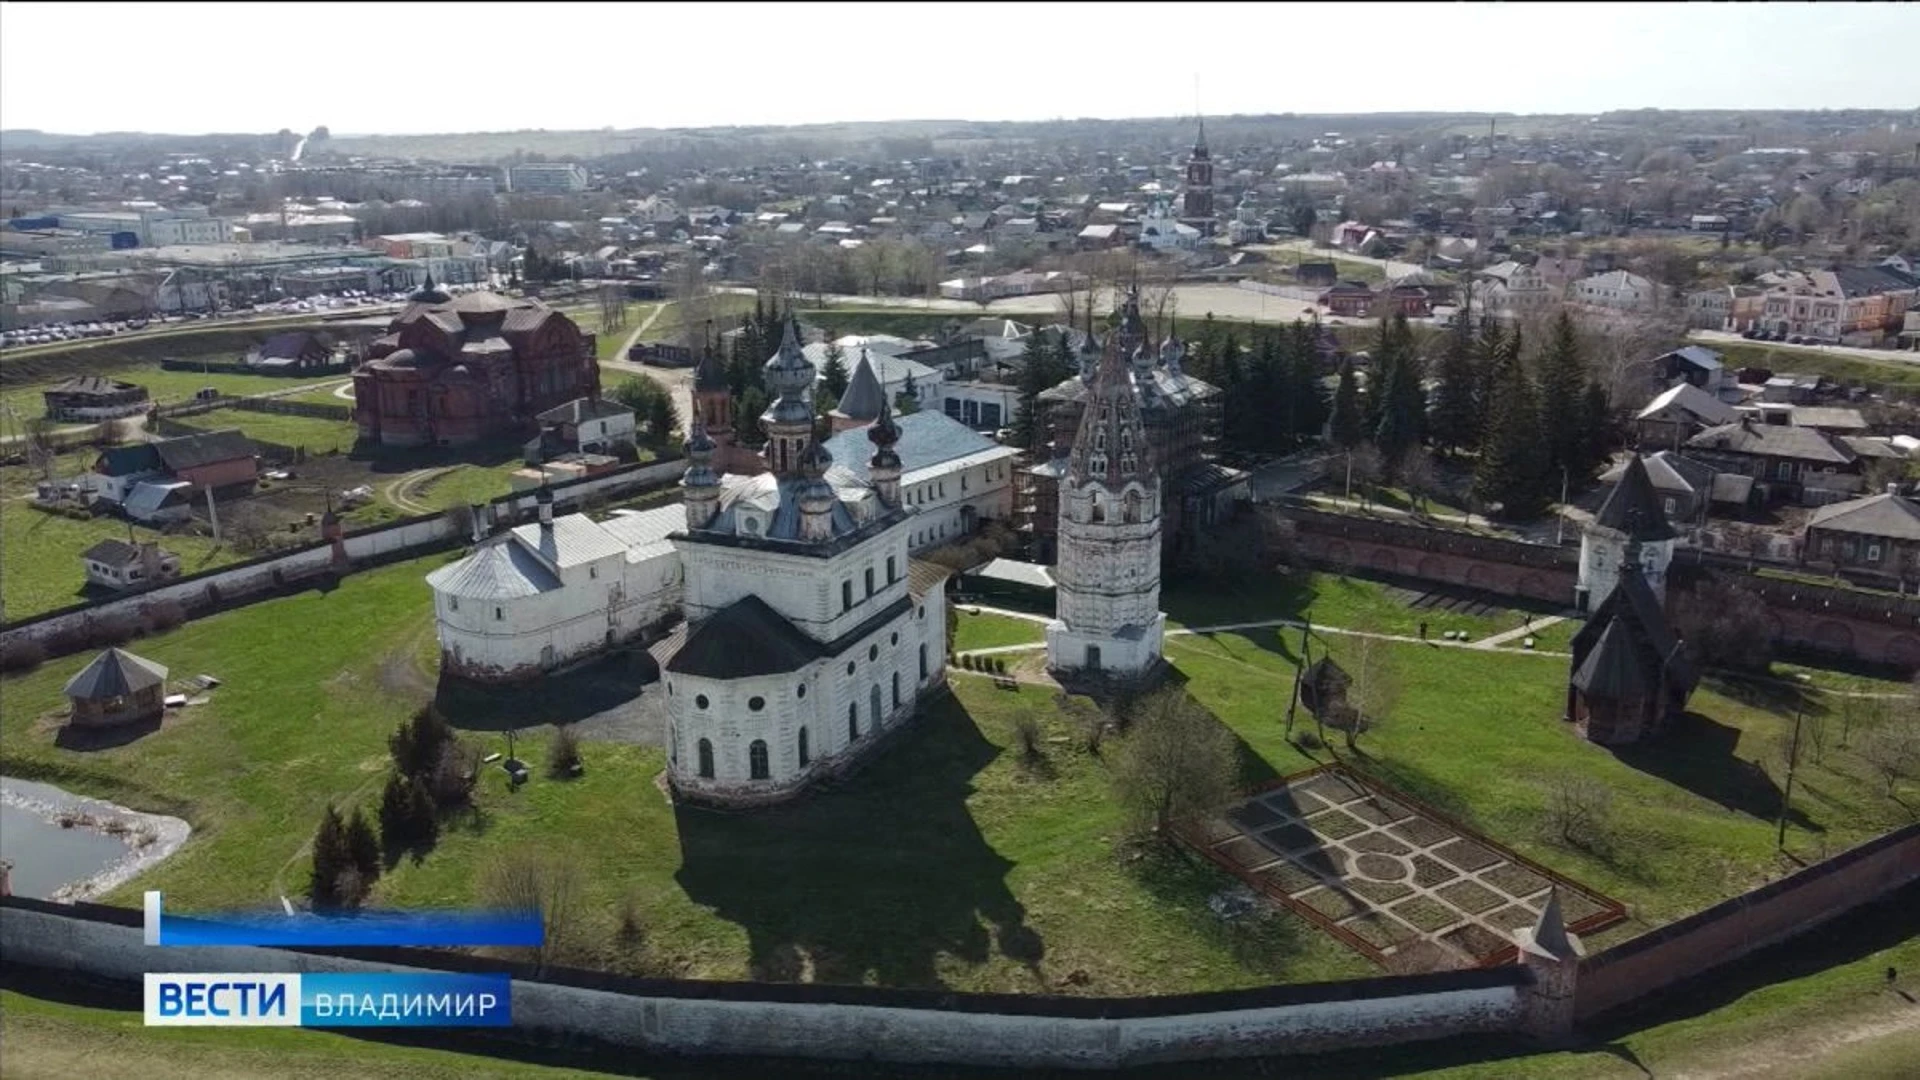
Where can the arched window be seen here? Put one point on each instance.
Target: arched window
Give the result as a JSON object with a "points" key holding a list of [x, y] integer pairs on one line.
{"points": [[874, 697], [1131, 510], [757, 760], [853, 721], [923, 661], [1099, 511], [805, 756], [706, 759], [896, 689]]}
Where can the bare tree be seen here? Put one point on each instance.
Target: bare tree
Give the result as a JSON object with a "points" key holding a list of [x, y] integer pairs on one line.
{"points": [[1158, 301], [1177, 760], [1374, 690], [541, 880], [693, 297], [1892, 751], [1579, 813], [1368, 467], [1419, 476]]}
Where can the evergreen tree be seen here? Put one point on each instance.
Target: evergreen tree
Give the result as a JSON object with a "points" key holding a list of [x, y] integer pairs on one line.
{"points": [[416, 745], [1307, 399], [1346, 408], [1454, 410], [1399, 403], [330, 858], [662, 418], [1563, 407], [1488, 347], [1045, 364], [1512, 469], [833, 374], [397, 814], [907, 401], [747, 409], [1597, 427], [363, 847]]}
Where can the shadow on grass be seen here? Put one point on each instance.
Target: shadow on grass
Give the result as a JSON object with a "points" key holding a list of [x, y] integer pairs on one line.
{"points": [[878, 880], [1698, 754], [609, 683], [1767, 693], [83, 739]]}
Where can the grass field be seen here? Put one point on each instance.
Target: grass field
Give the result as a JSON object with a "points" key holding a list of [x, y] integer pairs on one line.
{"points": [[40, 569], [1893, 374], [316, 435], [987, 630], [988, 874], [164, 386]]}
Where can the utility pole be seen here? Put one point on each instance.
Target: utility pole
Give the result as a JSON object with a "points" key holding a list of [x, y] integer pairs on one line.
{"points": [[1560, 519], [1793, 759]]}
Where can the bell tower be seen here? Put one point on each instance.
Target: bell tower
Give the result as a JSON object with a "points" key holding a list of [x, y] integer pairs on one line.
{"points": [[1198, 202]]}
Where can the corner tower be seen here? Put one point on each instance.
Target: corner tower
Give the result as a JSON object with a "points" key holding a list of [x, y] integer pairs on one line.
{"points": [[1107, 615]]}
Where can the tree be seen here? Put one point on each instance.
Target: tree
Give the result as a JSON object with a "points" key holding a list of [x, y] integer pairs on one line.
{"points": [[1511, 470], [1455, 411], [416, 745], [449, 782], [1177, 760], [907, 401], [1400, 403], [1420, 477], [1892, 750], [331, 858], [1563, 383], [1367, 467], [363, 847], [1579, 813], [563, 753], [662, 419], [1723, 625], [1374, 690], [1046, 362], [1304, 218], [543, 880], [1346, 407], [833, 374], [1596, 428], [400, 816]]}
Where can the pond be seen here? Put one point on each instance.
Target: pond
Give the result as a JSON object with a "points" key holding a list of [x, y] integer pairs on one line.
{"points": [[47, 856]]}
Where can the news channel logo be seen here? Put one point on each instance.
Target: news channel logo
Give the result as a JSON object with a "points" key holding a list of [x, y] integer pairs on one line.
{"points": [[328, 999]]}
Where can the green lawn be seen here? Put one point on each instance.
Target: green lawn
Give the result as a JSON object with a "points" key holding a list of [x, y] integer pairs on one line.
{"points": [[1326, 599], [1479, 735], [164, 386], [1894, 373], [948, 863], [316, 435], [987, 630], [40, 568], [468, 485]]}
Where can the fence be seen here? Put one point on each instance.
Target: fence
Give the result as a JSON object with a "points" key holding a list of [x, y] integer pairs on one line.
{"points": [[319, 410]]}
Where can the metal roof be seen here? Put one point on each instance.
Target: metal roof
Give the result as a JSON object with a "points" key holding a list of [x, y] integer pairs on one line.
{"points": [[499, 570], [115, 673], [744, 639], [1885, 515], [570, 541], [928, 440]]}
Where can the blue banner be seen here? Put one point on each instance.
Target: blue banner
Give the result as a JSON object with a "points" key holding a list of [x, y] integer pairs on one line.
{"points": [[418, 929], [410, 1000]]}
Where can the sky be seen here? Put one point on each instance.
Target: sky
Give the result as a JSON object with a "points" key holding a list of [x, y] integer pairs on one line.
{"points": [[399, 68]]}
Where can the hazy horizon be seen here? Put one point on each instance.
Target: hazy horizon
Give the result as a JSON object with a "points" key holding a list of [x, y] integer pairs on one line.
{"points": [[693, 66]]}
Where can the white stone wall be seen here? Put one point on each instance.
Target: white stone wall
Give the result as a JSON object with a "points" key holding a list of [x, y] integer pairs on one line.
{"points": [[937, 501], [809, 592], [1108, 575], [512, 636], [831, 1030]]}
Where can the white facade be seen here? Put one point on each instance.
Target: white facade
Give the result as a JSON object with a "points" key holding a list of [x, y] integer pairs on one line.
{"points": [[186, 230], [808, 631], [983, 406], [1630, 524], [547, 177], [545, 595], [1107, 571], [950, 500], [1616, 289], [1601, 558]]}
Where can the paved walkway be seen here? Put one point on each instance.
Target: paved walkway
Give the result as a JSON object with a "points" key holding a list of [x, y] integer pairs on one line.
{"points": [[1261, 624], [1528, 630]]}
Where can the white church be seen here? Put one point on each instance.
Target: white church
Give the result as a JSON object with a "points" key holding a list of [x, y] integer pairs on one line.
{"points": [[1108, 620], [805, 631]]}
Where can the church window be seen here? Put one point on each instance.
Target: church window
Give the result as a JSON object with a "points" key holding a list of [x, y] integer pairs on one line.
{"points": [[923, 661], [756, 703], [896, 689], [800, 691], [1097, 463], [593, 573], [873, 652], [853, 721], [892, 570], [846, 596], [1131, 510], [895, 640], [706, 759], [1126, 463], [498, 614], [1099, 511], [699, 701], [869, 581], [923, 613], [805, 757], [453, 603], [849, 667], [757, 760]]}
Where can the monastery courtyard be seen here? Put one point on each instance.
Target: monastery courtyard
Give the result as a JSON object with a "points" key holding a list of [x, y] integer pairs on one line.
{"points": [[949, 861]]}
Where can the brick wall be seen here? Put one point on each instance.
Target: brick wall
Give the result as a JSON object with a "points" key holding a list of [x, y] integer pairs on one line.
{"points": [[1766, 916]]}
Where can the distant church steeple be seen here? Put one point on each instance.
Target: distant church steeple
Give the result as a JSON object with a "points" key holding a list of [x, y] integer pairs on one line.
{"points": [[1198, 201]]}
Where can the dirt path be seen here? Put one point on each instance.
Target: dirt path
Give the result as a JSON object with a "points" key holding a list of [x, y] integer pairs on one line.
{"points": [[1799, 1051], [405, 493]]}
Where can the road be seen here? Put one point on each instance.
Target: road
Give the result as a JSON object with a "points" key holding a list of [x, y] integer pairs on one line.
{"points": [[198, 326], [1192, 301], [1892, 356]]}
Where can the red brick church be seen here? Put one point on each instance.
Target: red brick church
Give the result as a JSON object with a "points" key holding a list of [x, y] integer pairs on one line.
{"points": [[452, 371]]}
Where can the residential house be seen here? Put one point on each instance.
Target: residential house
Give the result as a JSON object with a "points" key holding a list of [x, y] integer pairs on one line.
{"points": [[1616, 290], [1786, 462], [1851, 305], [119, 565], [1353, 299], [1100, 236], [92, 398], [1910, 329], [1876, 536], [292, 351], [1686, 489], [1700, 367], [1510, 287], [213, 459], [1733, 308], [1677, 414], [588, 425]]}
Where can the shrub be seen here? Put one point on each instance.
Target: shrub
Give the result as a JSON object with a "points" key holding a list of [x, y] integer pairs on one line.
{"points": [[1026, 736], [450, 781], [416, 745], [537, 880], [1724, 626], [563, 753], [114, 628], [22, 655], [363, 848], [331, 859], [1178, 760]]}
